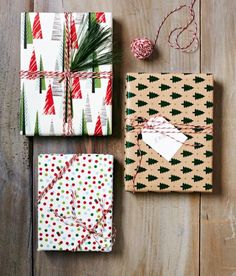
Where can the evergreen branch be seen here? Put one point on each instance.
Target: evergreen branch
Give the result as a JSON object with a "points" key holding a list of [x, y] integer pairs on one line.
{"points": [[96, 39]]}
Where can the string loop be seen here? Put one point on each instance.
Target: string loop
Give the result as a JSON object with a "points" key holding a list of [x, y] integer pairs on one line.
{"points": [[142, 48]]}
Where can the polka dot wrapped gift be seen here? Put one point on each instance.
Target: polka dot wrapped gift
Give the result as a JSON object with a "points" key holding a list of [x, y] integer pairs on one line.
{"points": [[75, 194]]}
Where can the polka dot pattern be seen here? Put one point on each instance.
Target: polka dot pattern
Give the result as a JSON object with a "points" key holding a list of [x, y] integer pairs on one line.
{"points": [[76, 214]]}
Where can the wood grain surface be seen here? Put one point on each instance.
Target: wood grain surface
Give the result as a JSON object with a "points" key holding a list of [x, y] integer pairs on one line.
{"points": [[15, 166], [157, 234]]}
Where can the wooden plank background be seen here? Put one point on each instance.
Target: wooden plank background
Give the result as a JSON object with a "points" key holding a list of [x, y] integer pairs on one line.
{"points": [[157, 234]]}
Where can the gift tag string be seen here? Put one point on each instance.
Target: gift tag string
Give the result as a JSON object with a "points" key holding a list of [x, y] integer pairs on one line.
{"points": [[142, 48]]}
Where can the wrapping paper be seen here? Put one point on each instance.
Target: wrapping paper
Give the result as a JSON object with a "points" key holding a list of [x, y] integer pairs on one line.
{"points": [[75, 211], [41, 100], [177, 154]]}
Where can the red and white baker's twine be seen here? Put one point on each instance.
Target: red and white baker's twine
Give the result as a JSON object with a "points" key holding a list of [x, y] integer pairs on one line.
{"points": [[67, 112], [91, 231], [57, 176], [142, 48], [67, 75], [77, 222], [139, 124]]}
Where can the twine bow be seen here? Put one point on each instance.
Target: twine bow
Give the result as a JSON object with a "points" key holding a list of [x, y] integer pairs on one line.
{"points": [[92, 231], [66, 75], [141, 124]]}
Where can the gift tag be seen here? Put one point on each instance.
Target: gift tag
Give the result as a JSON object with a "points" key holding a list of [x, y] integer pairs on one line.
{"points": [[163, 137]]}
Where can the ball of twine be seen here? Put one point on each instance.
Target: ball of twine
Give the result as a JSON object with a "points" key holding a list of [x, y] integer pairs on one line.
{"points": [[142, 48]]}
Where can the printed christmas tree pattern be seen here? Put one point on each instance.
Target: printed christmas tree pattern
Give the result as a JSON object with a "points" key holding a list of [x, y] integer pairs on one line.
{"points": [[79, 18], [36, 126], [57, 28], [88, 113], [98, 127], [108, 98], [33, 63], [73, 34], [100, 17], [52, 130], [57, 90], [37, 31], [109, 130], [84, 125], [187, 170], [76, 89], [103, 114], [49, 108], [34, 28], [28, 36], [42, 80]]}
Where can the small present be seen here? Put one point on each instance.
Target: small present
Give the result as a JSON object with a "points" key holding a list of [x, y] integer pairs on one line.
{"points": [[169, 132], [66, 74], [75, 194]]}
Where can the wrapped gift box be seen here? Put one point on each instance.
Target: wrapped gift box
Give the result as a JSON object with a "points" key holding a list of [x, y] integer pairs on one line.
{"points": [[42, 101], [75, 202], [169, 132]]}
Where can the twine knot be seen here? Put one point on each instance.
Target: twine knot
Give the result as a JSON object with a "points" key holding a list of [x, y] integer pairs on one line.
{"points": [[142, 48]]}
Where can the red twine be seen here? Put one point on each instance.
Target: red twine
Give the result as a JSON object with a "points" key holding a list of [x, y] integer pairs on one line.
{"points": [[58, 176], [142, 48]]}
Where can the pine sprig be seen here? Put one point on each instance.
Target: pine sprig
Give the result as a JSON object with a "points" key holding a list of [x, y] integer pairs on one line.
{"points": [[96, 39]]}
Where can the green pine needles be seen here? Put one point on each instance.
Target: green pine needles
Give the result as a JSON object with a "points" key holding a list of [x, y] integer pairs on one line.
{"points": [[97, 39]]}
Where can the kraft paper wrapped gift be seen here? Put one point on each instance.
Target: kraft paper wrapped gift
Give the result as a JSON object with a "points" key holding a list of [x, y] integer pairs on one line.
{"points": [[48, 105], [75, 194], [169, 132]]}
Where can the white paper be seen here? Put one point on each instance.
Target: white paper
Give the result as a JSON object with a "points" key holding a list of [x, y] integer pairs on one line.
{"points": [[165, 140]]}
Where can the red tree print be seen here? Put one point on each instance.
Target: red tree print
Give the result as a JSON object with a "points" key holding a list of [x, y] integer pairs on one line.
{"points": [[100, 17], [98, 127], [33, 64], [73, 34], [76, 90], [37, 31], [108, 97], [49, 108]]}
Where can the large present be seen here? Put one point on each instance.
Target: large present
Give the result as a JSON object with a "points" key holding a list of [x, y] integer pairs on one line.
{"points": [[66, 74], [75, 194], [169, 132]]}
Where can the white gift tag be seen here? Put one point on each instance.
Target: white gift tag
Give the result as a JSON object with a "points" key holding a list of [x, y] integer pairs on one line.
{"points": [[162, 140]]}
